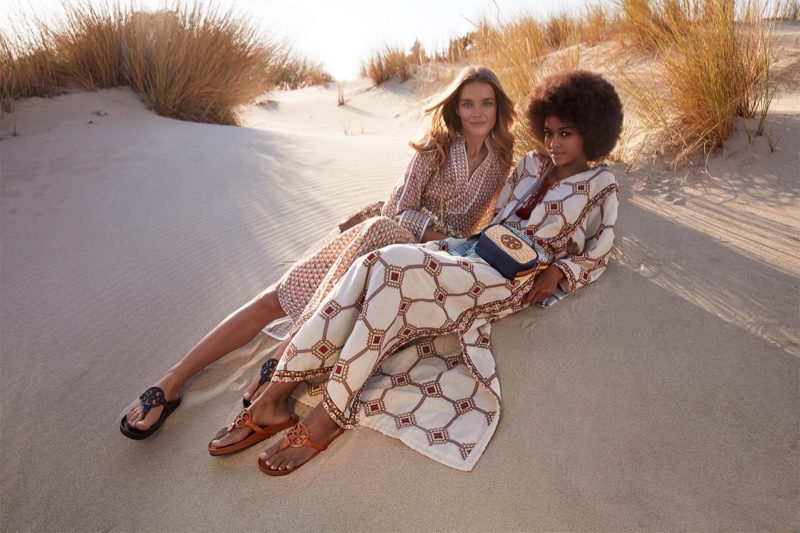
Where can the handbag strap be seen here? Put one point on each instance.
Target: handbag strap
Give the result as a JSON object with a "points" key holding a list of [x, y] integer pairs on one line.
{"points": [[544, 174]]}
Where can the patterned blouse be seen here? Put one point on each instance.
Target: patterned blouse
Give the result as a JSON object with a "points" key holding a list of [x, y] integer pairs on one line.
{"points": [[575, 222], [424, 192]]}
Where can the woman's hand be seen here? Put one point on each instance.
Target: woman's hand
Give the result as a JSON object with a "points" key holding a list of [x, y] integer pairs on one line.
{"points": [[544, 285]]}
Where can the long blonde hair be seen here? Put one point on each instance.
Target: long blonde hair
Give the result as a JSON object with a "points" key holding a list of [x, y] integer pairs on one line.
{"points": [[445, 122]]}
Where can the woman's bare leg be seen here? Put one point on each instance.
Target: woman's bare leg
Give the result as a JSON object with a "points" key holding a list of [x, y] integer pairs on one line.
{"points": [[270, 408], [235, 331]]}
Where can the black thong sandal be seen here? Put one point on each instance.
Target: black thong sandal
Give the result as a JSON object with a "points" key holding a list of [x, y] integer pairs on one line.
{"points": [[152, 397], [267, 369]]}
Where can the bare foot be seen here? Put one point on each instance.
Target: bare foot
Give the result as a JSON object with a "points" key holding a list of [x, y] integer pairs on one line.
{"points": [[321, 429], [260, 382], [141, 421]]}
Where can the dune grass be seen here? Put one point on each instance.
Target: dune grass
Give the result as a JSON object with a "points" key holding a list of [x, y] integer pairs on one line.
{"points": [[523, 51], [387, 63], [392, 61], [89, 45], [708, 63], [193, 62], [23, 75], [196, 65]]}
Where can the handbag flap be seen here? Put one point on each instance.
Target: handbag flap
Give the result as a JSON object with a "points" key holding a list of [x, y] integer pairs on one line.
{"points": [[510, 243]]}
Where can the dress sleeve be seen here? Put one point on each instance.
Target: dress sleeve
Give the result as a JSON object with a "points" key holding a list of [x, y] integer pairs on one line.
{"points": [[505, 193], [404, 202], [600, 221]]}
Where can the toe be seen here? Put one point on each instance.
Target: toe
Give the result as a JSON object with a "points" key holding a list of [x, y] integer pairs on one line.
{"points": [[134, 413], [149, 419], [260, 390], [219, 440], [251, 388], [275, 463], [268, 453], [225, 438]]}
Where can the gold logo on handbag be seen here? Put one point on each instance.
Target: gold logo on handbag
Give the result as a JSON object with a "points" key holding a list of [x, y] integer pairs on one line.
{"points": [[511, 242], [505, 239]]}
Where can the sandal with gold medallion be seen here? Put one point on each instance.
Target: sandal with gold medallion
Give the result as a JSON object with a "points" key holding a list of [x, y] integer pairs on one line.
{"points": [[297, 437], [257, 433]]}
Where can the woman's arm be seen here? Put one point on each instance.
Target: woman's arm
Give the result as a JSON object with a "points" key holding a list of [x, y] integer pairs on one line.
{"points": [[432, 235], [369, 211], [576, 270], [405, 199], [584, 267], [544, 284]]}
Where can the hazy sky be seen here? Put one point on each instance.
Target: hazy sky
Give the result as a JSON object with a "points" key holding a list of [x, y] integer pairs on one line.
{"points": [[341, 33]]}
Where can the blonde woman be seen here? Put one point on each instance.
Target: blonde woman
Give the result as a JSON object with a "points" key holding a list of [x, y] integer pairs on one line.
{"points": [[448, 189]]}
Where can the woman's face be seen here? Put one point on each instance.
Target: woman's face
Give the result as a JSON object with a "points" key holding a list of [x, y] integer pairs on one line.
{"points": [[564, 143], [477, 109]]}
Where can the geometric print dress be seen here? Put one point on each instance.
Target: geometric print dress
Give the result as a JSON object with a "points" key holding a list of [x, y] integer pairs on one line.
{"points": [[402, 343], [448, 200]]}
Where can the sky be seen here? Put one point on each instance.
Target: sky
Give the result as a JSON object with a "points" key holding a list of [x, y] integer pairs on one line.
{"points": [[340, 34]]}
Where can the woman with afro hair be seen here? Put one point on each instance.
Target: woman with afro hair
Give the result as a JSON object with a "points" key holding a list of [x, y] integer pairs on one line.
{"points": [[402, 343]]}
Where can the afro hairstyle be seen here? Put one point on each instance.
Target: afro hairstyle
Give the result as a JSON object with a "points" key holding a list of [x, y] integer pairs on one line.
{"points": [[584, 99]]}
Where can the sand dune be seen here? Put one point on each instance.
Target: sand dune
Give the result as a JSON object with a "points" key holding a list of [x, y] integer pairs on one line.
{"points": [[664, 397]]}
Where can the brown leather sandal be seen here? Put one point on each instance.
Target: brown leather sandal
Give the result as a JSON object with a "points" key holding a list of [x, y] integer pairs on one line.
{"points": [[258, 434], [297, 437]]}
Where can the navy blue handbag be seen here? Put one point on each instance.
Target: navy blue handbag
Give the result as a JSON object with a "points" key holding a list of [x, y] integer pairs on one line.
{"points": [[504, 248], [505, 251]]}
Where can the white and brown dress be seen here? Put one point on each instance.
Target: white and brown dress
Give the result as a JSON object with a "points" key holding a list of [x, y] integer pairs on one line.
{"points": [[450, 201], [402, 343]]}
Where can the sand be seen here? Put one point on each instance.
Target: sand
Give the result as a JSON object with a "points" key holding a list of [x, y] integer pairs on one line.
{"points": [[662, 398]]}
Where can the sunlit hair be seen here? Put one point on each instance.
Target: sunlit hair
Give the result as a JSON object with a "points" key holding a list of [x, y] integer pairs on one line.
{"points": [[445, 122], [583, 99]]}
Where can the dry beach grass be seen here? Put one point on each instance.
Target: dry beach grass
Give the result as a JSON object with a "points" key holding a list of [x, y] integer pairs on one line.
{"points": [[194, 62]]}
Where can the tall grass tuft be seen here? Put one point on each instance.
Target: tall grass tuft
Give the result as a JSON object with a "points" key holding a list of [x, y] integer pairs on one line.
{"points": [[713, 68], [647, 25], [196, 63], [560, 30], [598, 24], [88, 44], [390, 62], [288, 71], [192, 62], [26, 72], [458, 49]]}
